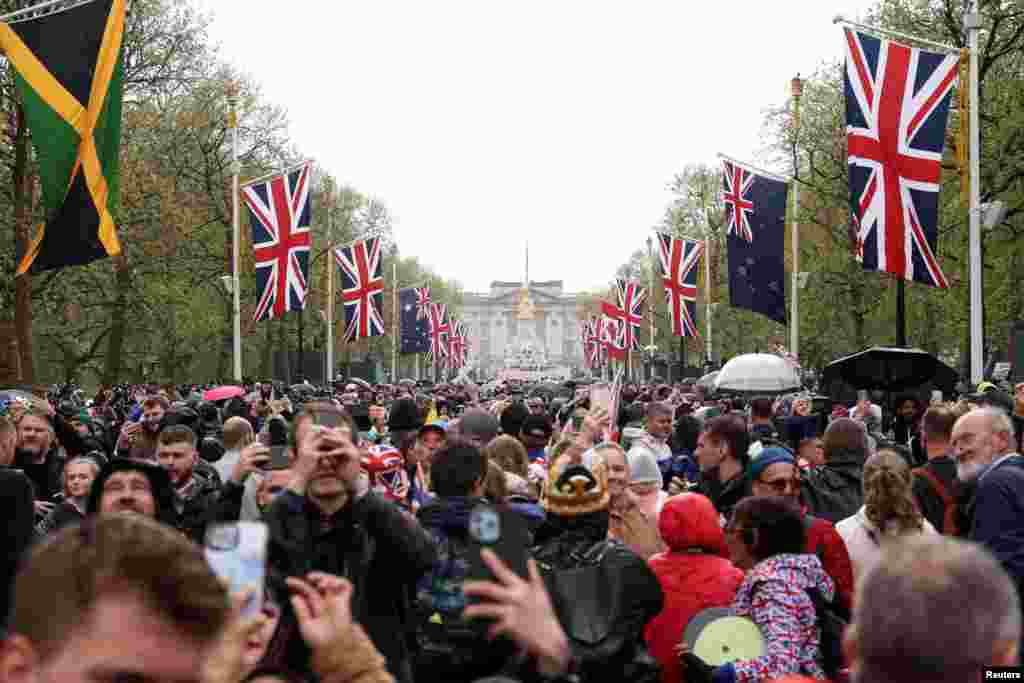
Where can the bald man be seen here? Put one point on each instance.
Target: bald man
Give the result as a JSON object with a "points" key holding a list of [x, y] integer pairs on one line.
{"points": [[983, 441]]}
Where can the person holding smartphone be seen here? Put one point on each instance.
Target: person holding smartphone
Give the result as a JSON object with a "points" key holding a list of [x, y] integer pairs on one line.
{"points": [[325, 521]]}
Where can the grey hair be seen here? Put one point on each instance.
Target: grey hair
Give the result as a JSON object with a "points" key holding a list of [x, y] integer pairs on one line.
{"points": [[998, 421], [600, 448], [933, 609]]}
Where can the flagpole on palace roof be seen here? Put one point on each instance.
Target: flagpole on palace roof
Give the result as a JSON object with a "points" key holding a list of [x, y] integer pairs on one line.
{"points": [[972, 21], [236, 306]]}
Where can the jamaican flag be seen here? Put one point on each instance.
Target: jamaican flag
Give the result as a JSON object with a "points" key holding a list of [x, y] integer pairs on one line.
{"points": [[68, 69]]}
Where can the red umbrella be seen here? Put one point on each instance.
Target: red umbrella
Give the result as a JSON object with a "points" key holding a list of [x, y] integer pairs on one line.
{"points": [[224, 392]]}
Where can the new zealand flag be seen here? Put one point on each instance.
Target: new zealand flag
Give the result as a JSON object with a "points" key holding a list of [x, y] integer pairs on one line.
{"points": [[415, 330], [755, 216]]}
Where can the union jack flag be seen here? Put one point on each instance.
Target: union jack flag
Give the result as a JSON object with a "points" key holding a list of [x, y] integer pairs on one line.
{"points": [[439, 330], [736, 182], [629, 299], [422, 302], [897, 105], [609, 338], [457, 344], [589, 343], [279, 214], [362, 290], [679, 259]]}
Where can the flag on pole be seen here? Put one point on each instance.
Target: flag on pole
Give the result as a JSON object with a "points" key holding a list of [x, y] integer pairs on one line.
{"points": [[279, 214], [680, 261], [68, 69], [609, 332], [755, 218], [897, 106], [362, 288], [422, 302], [415, 336], [629, 297], [439, 329]]}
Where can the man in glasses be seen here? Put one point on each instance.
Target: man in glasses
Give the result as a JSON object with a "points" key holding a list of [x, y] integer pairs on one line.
{"points": [[774, 472], [327, 521]]}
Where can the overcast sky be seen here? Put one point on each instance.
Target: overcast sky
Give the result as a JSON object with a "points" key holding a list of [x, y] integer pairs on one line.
{"points": [[484, 124]]}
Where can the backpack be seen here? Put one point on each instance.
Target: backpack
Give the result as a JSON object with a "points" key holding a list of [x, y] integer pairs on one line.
{"points": [[949, 516], [831, 624]]}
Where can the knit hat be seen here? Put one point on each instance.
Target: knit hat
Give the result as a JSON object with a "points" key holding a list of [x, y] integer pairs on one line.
{"points": [[643, 467], [767, 457], [575, 490]]}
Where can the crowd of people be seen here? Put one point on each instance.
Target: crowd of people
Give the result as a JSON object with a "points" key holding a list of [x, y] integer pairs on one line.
{"points": [[442, 532]]}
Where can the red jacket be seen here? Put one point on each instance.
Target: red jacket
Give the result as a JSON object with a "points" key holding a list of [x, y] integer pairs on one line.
{"points": [[824, 541], [693, 573]]}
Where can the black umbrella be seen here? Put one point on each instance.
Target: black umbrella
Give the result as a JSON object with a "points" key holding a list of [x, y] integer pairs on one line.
{"points": [[890, 369]]}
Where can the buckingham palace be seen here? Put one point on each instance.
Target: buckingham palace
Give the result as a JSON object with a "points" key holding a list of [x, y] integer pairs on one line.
{"points": [[529, 328]]}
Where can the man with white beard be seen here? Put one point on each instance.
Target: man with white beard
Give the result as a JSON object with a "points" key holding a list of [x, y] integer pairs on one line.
{"points": [[984, 441]]}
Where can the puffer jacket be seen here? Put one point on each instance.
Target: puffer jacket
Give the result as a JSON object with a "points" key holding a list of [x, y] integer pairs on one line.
{"points": [[694, 575], [833, 490], [774, 596]]}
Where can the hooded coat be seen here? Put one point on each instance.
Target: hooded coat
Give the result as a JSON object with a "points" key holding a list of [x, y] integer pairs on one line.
{"points": [[774, 596], [833, 491], [694, 575], [159, 482]]}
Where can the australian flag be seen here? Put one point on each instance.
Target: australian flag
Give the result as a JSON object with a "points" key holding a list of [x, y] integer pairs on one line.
{"points": [[755, 218], [415, 329]]}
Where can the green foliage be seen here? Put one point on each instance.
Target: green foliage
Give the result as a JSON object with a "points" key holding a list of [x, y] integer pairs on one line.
{"points": [[161, 312]]}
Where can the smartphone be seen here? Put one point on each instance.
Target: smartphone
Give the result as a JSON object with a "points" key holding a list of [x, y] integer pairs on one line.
{"points": [[936, 396], [862, 395], [237, 554], [502, 530]]}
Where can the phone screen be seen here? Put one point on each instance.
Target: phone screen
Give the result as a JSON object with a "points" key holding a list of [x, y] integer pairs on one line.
{"points": [[237, 554], [862, 395], [502, 530]]}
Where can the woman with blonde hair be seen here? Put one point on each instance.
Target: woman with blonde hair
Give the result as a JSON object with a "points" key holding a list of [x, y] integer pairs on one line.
{"points": [[889, 511]]}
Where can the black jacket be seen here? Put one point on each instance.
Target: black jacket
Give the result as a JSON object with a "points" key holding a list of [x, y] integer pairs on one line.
{"points": [[833, 490], [17, 513], [603, 592], [61, 516], [373, 545], [199, 509], [724, 496]]}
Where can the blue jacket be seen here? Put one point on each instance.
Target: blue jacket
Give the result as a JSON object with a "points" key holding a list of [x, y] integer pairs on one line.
{"points": [[999, 514]]}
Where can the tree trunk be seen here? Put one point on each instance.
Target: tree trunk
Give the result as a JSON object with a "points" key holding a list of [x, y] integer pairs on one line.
{"points": [[22, 284], [118, 320], [227, 341], [267, 366], [282, 344]]}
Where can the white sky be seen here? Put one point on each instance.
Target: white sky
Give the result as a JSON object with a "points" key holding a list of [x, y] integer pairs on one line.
{"points": [[484, 124]]}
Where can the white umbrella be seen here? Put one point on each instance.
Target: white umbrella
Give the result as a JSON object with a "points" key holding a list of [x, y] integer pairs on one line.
{"points": [[760, 373]]}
